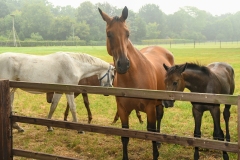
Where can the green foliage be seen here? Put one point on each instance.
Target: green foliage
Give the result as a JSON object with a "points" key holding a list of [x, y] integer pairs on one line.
{"points": [[4, 9], [152, 31], [36, 37], [36, 17], [57, 22]]}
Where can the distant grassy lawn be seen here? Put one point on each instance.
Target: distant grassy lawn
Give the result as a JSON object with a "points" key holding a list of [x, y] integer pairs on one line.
{"points": [[92, 146]]}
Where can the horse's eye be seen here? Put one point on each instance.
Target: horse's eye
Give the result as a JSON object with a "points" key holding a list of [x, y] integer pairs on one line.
{"points": [[109, 35], [175, 83], [128, 34]]}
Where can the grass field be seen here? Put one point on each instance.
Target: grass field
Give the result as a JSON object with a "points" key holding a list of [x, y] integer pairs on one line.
{"points": [[93, 146]]}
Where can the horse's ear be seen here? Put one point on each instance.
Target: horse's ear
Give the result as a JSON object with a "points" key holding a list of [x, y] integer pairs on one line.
{"points": [[184, 67], [165, 67], [105, 17], [124, 13]]}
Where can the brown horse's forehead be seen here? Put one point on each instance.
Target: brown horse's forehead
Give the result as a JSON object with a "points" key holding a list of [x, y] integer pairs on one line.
{"points": [[172, 76], [116, 26]]}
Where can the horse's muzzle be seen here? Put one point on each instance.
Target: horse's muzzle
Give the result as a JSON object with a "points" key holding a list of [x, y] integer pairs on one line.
{"points": [[168, 103], [122, 66]]}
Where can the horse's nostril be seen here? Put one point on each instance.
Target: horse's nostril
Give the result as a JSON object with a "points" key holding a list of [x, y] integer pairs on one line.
{"points": [[118, 63], [128, 64]]}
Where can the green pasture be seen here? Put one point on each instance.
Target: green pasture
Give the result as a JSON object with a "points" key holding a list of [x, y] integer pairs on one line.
{"points": [[93, 146]]}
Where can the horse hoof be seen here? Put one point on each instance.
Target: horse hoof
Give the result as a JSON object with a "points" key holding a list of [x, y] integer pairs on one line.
{"points": [[50, 129], [81, 132], [20, 130]]}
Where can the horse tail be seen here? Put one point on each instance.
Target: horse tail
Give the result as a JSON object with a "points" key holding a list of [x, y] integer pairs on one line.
{"points": [[233, 81]]}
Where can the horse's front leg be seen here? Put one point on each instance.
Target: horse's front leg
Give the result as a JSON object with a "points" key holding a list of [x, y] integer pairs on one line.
{"points": [[67, 108], [215, 112], [151, 126], [66, 112], [55, 100], [125, 124], [226, 115], [86, 102], [125, 141], [160, 112], [197, 114], [72, 106], [15, 125]]}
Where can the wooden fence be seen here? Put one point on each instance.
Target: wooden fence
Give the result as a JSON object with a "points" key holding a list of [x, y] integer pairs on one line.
{"points": [[6, 119]]}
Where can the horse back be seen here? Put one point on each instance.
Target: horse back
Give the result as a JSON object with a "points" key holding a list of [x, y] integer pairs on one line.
{"points": [[34, 68], [225, 76], [158, 56]]}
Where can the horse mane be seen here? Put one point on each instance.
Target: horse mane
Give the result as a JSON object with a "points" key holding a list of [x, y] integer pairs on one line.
{"points": [[116, 18], [198, 66], [87, 58], [192, 65]]}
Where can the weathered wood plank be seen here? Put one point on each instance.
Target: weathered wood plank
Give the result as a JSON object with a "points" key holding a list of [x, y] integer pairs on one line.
{"points": [[39, 155], [130, 92], [238, 127], [185, 141], [5, 124]]}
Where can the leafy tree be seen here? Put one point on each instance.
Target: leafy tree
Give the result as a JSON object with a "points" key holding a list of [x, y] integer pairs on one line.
{"points": [[138, 29], [109, 9], [56, 23], [13, 5], [36, 37], [3, 9], [87, 12], [235, 26], [61, 28], [82, 31], [36, 17], [152, 31], [224, 29], [151, 13], [66, 11]]}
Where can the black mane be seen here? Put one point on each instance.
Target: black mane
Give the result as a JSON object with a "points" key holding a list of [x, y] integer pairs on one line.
{"points": [[116, 19], [199, 67], [192, 66]]}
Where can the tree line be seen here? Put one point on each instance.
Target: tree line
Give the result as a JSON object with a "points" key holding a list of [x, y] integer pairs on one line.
{"points": [[39, 20]]}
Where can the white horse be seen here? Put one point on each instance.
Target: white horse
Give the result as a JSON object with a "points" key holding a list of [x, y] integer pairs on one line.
{"points": [[60, 67]]}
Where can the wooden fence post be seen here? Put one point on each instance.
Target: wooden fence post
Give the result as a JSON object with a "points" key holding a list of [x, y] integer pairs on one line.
{"points": [[238, 126], [5, 123]]}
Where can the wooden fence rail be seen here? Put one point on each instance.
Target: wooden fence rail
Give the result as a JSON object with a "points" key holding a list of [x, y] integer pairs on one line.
{"points": [[5, 129]]}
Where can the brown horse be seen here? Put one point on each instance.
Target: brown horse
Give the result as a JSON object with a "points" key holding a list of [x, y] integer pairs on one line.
{"points": [[92, 81], [136, 69], [215, 78]]}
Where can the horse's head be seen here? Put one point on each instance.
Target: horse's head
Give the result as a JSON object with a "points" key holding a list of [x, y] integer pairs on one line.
{"points": [[174, 81], [117, 39], [106, 78]]}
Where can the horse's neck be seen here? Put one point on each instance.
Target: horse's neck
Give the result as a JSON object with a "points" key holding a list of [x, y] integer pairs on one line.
{"points": [[138, 63], [137, 59], [91, 70], [195, 81]]}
